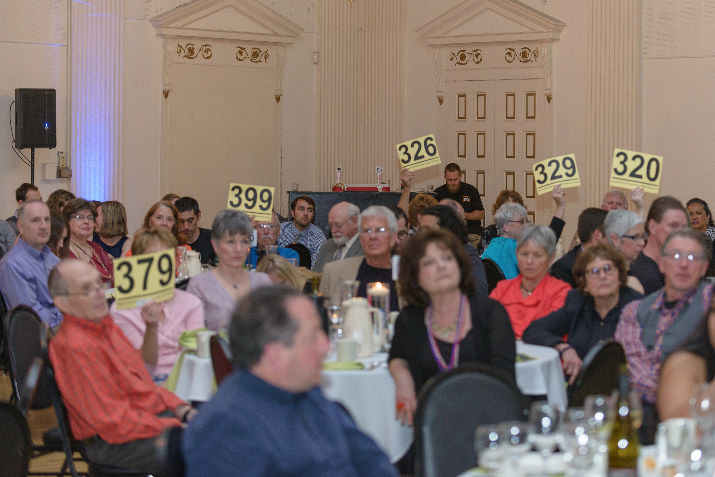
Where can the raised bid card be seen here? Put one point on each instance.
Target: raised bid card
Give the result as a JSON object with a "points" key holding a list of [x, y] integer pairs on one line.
{"points": [[256, 201], [633, 169], [142, 277], [560, 170], [418, 153]]}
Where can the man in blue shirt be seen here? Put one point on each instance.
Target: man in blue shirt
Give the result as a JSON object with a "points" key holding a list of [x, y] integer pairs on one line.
{"points": [[301, 229], [270, 417], [24, 270], [267, 235]]}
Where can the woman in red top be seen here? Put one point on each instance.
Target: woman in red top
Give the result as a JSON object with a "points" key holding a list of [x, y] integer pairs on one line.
{"points": [[80, 215], [533, 293]]}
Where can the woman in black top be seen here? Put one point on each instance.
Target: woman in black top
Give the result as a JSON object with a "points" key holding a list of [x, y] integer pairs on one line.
{"points": [[444, 323], [590, 313]]}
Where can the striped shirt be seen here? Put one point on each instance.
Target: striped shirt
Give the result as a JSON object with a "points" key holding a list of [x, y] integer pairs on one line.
{"points": [[312, 237]]}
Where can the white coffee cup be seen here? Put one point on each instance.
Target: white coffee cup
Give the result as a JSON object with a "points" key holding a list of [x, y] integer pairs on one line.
{"points": [[347, 349], [203, 347]]}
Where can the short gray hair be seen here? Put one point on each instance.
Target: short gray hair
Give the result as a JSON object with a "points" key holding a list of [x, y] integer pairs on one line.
{"points": [[620, 221], [353, 210], [231, 222], [25, 205], [688, 232], [540, 235], [618, 193], [379, 211], [505, 213], [261, 318]]}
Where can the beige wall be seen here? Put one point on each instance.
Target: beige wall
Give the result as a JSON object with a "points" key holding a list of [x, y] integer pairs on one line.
{"points": [[677, 100]]}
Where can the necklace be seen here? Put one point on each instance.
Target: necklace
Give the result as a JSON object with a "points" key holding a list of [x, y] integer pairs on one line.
{"points": [[454, 358], [230, 280], [528, 292], [444, 331]]}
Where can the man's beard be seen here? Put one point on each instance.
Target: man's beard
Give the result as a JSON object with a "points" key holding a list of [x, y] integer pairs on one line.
{"points": [[342, 240]]}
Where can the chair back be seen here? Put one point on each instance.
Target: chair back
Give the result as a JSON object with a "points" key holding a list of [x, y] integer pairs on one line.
{"points": [[494, 273], [220, 358], [15, 444], [599, 372], [171, 452], [26, 341], [4, 354], [304, 259], [450, 408]]}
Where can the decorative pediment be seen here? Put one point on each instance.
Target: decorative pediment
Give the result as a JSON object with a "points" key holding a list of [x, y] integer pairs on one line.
{"points": [[245, 20], [487, 21]]}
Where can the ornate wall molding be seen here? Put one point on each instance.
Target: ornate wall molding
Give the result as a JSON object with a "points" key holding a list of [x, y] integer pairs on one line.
{"points": [[522, 55], [203, 31]]}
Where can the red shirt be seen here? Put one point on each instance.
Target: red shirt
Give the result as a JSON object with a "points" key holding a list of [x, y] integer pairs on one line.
{"points": [[105, 385], [549, 295]]}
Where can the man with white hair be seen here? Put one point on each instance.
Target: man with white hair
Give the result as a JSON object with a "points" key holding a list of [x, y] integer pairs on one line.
{"points": [[343, 222], [377, 228]]}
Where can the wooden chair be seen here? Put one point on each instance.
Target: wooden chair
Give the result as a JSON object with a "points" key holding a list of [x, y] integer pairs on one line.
{"points": [[220, 353]]}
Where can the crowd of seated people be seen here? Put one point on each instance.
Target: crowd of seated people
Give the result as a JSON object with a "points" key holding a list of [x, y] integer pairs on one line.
{"points": [[637, 281]]}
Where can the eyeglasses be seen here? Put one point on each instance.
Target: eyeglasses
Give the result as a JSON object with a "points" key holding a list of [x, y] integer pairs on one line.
{"points": [[607, 269], [403, 233], [337, 225], [265, 226], [82, 218], [677, 256], [378, 230], [88, 290], [522, 221], [635, 237]]}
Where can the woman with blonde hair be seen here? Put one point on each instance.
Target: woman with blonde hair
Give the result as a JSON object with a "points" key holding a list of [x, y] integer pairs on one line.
{"points": [[281, 271], [155, 328], [110, 228]]}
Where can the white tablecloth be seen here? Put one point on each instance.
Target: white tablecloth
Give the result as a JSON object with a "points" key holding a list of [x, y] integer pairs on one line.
{"points": [[369, 395], [541, 376]]}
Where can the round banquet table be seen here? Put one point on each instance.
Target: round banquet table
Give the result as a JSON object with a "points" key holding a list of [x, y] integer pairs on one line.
{"points": [[543, 375], [369, 394]]}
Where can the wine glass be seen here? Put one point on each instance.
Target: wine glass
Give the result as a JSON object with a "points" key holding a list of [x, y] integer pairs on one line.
{"points": [[702, 409], [598, 411], [487, 447], [543, 421]]}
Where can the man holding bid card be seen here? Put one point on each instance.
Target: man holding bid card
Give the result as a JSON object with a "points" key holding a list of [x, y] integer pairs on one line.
{"points": [[465, 194]]}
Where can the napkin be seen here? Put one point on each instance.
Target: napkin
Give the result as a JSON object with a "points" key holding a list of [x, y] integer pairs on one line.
{"points": [[342, 365], [521, 357]]}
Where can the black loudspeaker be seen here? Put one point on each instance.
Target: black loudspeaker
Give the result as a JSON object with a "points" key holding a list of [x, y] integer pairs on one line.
{"points": [[35, 118]]}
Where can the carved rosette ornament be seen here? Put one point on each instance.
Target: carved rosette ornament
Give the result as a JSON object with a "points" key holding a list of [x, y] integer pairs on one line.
{"points": [[525, 55], [463, 57], [191, 52], [256, 55]]}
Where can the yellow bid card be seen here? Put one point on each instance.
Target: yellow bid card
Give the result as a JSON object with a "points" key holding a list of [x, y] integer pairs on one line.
{"points": [[555, 171], [254, 200], [633, 169], [418, 153], [142, 277]]}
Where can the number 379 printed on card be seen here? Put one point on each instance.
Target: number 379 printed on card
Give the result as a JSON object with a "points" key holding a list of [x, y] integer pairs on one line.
{"points": [[142, 277]]}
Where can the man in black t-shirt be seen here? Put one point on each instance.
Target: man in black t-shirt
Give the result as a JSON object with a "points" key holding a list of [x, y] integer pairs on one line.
{"points": [[197, 238], [465, 194]]}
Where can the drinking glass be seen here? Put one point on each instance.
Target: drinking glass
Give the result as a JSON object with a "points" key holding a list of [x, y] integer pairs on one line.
{"points": [[544, 421], [702, 409], [336, 318], [349, 289], [487, 447], [578, 446], [598, 411]]}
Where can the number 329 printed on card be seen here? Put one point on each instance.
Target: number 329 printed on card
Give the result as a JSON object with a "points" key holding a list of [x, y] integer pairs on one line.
{"points": [[142, 277], [418, 153], [254, 200], [633, 169], [555, 171]]}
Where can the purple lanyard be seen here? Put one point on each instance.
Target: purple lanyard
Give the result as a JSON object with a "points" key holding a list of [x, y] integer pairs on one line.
{"points": [[454, 359]]}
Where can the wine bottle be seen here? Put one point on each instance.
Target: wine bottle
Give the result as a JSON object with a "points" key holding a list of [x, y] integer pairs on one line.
{"points": [[623, 443]]}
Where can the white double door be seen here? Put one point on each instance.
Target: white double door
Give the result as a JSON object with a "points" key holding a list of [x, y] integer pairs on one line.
{"points": [[496, 131]]}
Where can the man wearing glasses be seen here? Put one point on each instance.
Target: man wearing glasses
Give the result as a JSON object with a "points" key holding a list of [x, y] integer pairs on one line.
{"points": [[652, 328], [343, 221], [377, 228], [24, 270], [266, 236], [112, 403]]}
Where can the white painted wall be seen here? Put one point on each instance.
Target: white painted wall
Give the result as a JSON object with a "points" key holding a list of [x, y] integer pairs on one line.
{"points": [[677, 98]]}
